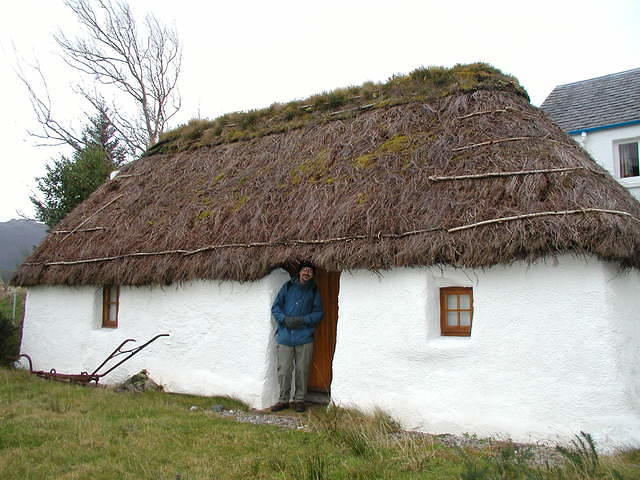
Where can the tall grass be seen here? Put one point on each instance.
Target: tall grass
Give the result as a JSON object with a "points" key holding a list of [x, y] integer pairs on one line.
{"points": [[582, 455], [580, 461], [362, 434]]}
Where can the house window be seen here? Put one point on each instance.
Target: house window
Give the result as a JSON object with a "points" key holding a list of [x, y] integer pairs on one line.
{"points": [[628, 157], [110, 304], [456, 311]]}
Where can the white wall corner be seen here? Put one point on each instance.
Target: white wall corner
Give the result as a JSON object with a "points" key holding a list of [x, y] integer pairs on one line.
{"points": [[270, 391]]}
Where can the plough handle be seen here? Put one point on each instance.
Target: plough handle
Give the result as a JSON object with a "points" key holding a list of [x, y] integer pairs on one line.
{"points": [[119, 351], [29, 359]]}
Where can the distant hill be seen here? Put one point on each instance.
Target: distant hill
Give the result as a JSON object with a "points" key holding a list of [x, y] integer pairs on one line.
{"points": [[18, 238]]}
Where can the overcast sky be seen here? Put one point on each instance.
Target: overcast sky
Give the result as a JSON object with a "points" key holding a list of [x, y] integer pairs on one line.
{"points": [[248, 54]]}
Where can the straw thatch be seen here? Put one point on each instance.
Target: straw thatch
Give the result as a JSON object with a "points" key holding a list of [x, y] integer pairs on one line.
{"points": [[471, 176]]}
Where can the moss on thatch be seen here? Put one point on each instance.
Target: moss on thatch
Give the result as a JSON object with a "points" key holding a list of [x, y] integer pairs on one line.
{"points": [[472, 177], [423, 84]]}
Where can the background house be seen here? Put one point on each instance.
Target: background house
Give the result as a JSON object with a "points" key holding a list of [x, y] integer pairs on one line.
{"points": [[603, 115]]}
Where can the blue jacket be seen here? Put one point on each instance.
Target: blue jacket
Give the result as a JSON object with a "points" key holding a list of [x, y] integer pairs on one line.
{"points": [[297, 300]]}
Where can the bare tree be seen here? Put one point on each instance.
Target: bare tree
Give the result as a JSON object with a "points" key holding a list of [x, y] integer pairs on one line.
{"points": [[53, 132], [144, 65]]}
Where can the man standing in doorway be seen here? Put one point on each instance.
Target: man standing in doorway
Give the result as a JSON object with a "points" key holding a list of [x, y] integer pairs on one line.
{"points": [[297, 310]]}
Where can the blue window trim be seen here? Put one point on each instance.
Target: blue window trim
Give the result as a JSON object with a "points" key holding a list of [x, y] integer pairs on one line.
{"points": [[604, 127]]}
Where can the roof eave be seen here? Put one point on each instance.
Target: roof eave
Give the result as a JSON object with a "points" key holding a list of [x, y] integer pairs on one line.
{"points": [[603, 127]]}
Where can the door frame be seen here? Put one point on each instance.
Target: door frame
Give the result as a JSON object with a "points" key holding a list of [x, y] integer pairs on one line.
{"points": [[325, 336]]}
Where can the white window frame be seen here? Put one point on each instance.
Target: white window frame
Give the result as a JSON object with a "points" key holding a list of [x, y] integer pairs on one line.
{"points": [[616, 156]]}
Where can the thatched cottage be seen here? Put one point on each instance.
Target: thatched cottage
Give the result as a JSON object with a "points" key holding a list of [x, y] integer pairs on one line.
{"points": [[479, 271]]}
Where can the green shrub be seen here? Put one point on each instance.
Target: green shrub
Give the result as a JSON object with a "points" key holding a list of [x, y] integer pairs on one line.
{"points": [[9, 339]]}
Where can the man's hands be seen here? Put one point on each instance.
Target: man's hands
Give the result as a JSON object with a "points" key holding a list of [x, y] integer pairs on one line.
{"points": [[293, 323]]}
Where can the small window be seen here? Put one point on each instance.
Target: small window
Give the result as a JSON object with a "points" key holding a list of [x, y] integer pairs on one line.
{"points": [[110, 304], [628, 157], [456, 311]]}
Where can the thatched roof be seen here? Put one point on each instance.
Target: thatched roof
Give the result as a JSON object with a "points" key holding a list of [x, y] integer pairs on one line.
{"points": [[471, 176]]}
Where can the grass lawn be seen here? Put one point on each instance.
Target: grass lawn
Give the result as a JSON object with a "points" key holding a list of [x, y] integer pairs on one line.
{"points": [[50, 430]]}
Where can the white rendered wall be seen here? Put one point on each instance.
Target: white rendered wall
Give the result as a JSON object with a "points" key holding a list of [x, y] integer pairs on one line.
{"points": [[601, 145], [622, 289], [221, 341], [554, 350]]}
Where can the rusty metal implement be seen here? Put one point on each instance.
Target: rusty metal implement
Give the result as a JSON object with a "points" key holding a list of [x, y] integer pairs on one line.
{"points": [[85, 377]]}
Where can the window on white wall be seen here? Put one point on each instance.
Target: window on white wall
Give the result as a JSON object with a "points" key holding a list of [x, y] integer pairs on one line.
{"points": [[456, 311], [628, 161], [110, 306]]}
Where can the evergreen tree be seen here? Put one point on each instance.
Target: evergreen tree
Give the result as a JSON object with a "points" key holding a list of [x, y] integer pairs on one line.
{"points": [[68, 181]]}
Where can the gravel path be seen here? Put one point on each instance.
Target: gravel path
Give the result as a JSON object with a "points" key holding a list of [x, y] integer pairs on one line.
{"points": [[263, 418], [541, 454]]}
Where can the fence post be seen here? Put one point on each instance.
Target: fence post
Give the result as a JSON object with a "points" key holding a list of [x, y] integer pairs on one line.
{"points": [[15, 294]]}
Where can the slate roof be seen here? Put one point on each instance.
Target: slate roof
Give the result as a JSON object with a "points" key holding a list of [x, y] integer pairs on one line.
{"points": [[598, 102]]}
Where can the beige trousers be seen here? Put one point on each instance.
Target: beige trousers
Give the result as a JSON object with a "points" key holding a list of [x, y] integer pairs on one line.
{"points": [[293, 360]]}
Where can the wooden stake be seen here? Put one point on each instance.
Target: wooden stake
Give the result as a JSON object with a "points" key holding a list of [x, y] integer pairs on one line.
{"points": [[126, 175], [91, 216], [95, 229], [486, 112], [491, 142], [506, 174], [361, 107], [541, 214]]}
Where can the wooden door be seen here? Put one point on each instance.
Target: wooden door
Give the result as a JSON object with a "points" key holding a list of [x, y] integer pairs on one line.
{"points": [[324, 344]]}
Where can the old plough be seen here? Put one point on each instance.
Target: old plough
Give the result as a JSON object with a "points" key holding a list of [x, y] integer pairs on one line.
{"points": [[95, 376]]}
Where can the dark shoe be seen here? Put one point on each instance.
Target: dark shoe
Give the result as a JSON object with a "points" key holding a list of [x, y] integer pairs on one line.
{"points": [[279, 406], [299, 407]]}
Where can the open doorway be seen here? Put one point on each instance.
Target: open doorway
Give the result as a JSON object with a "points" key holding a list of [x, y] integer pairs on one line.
{"points": [[324, 344]]}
